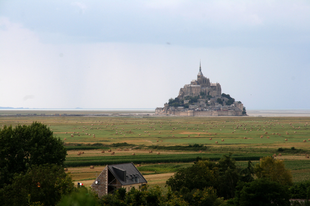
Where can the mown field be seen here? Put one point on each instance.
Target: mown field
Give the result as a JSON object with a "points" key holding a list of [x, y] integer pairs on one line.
{"points": [[175, 142]]}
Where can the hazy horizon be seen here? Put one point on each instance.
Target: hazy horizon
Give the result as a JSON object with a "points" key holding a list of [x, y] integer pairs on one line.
{"points": [[142, 111]]}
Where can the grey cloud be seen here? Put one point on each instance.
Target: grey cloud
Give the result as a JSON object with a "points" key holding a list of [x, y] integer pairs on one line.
{"points": [[194, 24]]}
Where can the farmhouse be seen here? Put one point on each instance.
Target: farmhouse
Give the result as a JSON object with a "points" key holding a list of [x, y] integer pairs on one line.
{"points": [[202, 98], [118, 176]]}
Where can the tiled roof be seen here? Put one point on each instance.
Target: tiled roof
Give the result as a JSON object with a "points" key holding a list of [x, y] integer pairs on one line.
{"points": [[126, 173]]}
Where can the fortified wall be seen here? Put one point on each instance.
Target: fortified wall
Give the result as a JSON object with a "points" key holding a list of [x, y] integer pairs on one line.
{"points": [[202, 98]]}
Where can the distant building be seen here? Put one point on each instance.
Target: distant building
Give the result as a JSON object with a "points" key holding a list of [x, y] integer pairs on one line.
{"points": [[202, 98], [117, 176]]}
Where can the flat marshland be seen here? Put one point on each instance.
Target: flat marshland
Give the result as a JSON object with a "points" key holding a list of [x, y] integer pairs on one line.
{"points": [[159, 146]]}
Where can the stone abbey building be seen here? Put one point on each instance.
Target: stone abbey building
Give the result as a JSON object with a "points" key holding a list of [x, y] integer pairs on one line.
{"points": [[202, 98]]}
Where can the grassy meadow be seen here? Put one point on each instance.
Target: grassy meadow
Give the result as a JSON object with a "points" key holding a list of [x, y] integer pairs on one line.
{"points": [[161, 145]]}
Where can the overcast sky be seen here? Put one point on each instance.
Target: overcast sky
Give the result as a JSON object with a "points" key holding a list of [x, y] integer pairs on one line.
{"points": [[138, 54]]}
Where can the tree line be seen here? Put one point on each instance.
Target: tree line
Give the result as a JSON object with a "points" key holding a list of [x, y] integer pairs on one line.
{"points": [[209, 183]]}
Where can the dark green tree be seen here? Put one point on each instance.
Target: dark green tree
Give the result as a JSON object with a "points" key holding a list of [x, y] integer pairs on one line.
{"points": [[202, 94], [262, 192], [220, 101], [226, 96], [222, 176], [175, 102], [230, 101], [201, 175], [80, 197], [205, 197], [155, 197], [44, 184], [228, 177], [247, 174], [244, 111], [300, 190], [274, 170], [144, 196], [24, 146], [193, 99]]}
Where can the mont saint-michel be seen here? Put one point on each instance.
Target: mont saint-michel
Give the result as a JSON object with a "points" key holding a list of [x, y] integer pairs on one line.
{"points": [[202, 98]]}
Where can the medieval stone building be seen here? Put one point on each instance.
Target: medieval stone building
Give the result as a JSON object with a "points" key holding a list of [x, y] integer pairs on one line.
{"points": [[117, 176], [202, 98], [201, 85]]}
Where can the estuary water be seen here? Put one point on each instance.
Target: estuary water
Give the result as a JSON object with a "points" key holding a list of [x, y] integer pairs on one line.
{"points": [[279, 113], [139, 112]]}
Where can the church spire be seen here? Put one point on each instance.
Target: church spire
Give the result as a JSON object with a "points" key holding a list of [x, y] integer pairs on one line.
{"points": [[200, 73]]}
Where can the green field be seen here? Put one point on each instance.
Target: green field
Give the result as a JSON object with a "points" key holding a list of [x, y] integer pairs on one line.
{"points": [[179, 140], [143, 159], [170, 131]]}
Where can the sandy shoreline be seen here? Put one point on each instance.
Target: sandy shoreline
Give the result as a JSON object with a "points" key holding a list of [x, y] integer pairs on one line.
{"points": [[278, 113]]}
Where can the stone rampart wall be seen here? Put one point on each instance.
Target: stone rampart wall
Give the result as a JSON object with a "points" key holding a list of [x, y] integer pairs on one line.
{"points": [[190, 113], [203, 113], [181, 113]]}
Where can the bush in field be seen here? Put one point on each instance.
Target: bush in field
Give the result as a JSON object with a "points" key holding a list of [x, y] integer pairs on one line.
{"points": [[24, 146], [291, 150], [195, 147], [122, 144]]}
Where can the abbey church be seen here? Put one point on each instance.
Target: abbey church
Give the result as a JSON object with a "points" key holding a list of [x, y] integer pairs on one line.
{"points": [[202, 98]]}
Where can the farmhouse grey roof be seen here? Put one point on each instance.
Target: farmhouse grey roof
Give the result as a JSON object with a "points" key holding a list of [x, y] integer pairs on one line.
{"points": [[126, 173]]}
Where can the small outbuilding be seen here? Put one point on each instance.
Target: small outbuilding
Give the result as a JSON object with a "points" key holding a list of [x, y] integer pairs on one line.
{"points": [[118, 176]]}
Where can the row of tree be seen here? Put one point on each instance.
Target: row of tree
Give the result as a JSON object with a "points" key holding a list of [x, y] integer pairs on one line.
{"points": [[210, 183], [176, 102], [235, 185]]}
